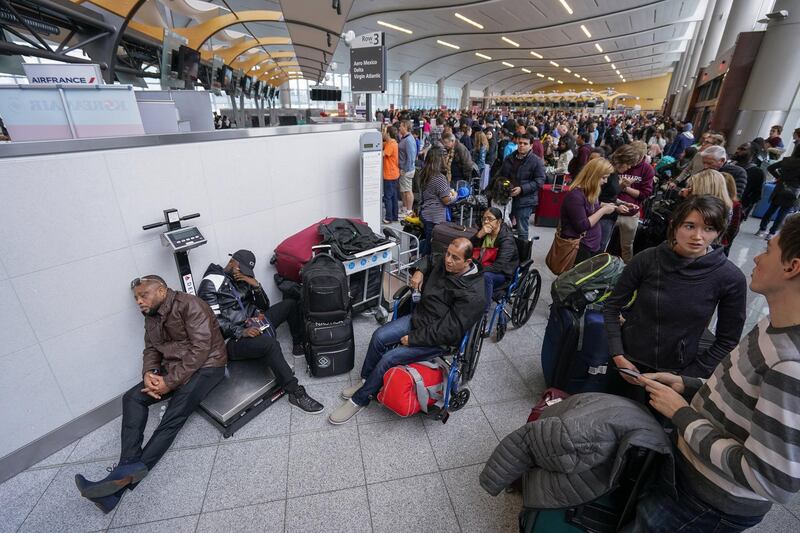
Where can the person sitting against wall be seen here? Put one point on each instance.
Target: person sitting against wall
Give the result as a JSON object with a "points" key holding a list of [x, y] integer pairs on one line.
{"points": [[736, 433], [184, 358], [436, 195], [677, 286], [452, 302], [248, 322], [495, 250]]}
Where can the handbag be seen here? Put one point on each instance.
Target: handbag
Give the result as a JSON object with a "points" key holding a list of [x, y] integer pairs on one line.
{"points": [[562, 253]]}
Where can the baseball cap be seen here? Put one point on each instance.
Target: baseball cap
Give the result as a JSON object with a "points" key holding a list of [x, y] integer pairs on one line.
{"points": [[246, 260]]}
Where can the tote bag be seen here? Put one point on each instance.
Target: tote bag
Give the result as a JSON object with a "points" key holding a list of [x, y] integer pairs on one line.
{"points": [[563, 252]]}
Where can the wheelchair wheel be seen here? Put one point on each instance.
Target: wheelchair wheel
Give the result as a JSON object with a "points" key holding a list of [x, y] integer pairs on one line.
{"points": [[502, 325], [526, 298], [473, 351], [459, 400]]}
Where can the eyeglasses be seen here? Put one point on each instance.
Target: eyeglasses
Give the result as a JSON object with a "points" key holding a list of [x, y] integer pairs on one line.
{"points": [[488, 219], [138, 281]]}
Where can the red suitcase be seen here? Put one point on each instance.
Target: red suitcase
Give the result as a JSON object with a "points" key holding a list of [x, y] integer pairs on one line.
{"points": [[549, 209]]}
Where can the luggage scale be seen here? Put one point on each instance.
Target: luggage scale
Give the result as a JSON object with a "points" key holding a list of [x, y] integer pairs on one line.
{"points": [[248, 386]]}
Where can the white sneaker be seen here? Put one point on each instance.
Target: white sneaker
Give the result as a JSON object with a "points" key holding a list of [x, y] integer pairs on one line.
{"points": [[761, 233], [344, 412]]}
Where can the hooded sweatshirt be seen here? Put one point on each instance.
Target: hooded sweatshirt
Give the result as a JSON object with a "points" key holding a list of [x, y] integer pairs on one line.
{"points": [[675, 299], [681, 142]]}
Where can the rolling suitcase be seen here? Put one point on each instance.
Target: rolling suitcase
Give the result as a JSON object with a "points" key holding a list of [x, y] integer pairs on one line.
{"points": [[763, 204], [551, 197], [444, 233], [330, 347], [575, 354], [295, 251]]}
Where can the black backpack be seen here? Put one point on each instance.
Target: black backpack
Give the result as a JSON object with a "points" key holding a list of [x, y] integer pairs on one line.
{"points": [[326, 296]]}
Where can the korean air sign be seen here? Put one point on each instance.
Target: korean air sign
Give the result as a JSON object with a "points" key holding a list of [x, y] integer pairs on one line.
{"points": [[67, 74]]}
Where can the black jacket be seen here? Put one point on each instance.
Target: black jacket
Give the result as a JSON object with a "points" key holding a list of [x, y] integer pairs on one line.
{"points": [[218, 289], [787, 170], [529, 176], [507, 256], [675, 300], [450, 305], [739, 176]]}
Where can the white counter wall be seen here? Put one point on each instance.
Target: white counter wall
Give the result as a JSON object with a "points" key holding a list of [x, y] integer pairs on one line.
{"points": [[71, 241]]}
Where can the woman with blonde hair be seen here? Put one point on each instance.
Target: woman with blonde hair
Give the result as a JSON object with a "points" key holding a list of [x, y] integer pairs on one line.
{"points": [[581, 210], [709, 182]]}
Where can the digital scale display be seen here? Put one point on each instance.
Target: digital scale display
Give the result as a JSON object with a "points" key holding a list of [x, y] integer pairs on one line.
{"points": [[183, 239]]}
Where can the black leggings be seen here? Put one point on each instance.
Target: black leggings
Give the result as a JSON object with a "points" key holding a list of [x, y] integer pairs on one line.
{"points": [[584, 253]]}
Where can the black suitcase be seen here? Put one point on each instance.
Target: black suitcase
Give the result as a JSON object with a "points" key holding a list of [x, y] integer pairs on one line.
{"points": [[326, 297], [444, 233], [330, 347]]}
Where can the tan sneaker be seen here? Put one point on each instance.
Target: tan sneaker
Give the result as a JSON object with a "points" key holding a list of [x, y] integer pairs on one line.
{"points": [[344, 412], [348, 393]]}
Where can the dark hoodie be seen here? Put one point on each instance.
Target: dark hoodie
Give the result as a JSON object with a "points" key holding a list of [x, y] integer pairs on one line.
{"points": [[675, 300], [451, 304]]}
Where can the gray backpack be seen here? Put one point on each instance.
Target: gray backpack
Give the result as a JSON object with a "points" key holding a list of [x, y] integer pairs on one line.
{"points": [[587, 283]]}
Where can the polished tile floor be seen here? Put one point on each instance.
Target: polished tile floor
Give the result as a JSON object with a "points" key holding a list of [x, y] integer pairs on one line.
{"points": [[289, 471]]}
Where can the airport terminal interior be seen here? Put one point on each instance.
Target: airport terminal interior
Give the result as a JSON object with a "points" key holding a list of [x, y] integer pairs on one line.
{"points": [[325, 258]]}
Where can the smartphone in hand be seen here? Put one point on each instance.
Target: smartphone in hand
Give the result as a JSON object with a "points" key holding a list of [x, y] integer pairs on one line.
{"points": [[628, 372]]}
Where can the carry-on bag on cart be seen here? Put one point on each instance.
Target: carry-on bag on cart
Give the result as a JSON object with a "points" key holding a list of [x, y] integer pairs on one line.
{"points": [[444, 233], [409, 389], [330, 348], [551, 197]]}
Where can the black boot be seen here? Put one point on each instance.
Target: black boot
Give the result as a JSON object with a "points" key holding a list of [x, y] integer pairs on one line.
{"points": [[108, 503], [120, 477], [300, 399]]}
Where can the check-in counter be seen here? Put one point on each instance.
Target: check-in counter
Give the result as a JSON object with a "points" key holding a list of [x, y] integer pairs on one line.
{"points": [[71, 240]]}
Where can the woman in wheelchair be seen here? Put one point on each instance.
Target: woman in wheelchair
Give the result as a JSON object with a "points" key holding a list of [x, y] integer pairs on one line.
{"points": [[495, 249]]}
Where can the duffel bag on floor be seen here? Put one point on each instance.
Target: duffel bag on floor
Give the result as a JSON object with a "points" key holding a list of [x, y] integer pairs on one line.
{"points": [[409, 389]]}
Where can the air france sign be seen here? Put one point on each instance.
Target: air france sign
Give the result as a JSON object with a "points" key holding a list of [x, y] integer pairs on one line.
{"points": [[68, 74], [368, 63]]}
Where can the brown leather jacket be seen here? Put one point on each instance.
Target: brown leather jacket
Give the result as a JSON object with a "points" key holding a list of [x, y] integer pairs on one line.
{"points": [[182, 338]]}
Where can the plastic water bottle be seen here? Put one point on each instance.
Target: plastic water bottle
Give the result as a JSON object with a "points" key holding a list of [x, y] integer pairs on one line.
{"points": [[416, 296]]}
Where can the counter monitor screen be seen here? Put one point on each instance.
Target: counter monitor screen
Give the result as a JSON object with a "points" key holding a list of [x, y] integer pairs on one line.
{"points": [[188, 63]]}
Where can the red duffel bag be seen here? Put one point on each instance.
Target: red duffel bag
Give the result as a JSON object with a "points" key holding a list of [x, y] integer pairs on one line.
{"points": [[409, 389]]}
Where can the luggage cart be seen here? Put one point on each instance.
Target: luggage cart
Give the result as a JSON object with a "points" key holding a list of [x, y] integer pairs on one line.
{"points": [[397, 272], [365, 273]]}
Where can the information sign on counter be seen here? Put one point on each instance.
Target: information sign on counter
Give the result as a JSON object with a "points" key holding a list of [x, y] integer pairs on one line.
{"points": [[371, 146], [368, 63], [58, 74]]}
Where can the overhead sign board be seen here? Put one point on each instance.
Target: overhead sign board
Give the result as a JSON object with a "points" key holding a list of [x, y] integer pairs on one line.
{"points": [[63, 74], [368, 63]]}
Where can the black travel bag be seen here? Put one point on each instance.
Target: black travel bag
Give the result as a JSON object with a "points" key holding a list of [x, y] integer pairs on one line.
{"points": [[330, 348], [326, 297]]}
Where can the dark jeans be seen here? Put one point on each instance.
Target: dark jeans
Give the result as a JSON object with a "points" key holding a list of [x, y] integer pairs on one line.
{"points": [[492, 280], [523, 216], [384, 352], [182, 403], [771, 210], [390, 199], [657, 511], [268, 348], [584, 253], [607, 228], [288, 311], [425, 245]]}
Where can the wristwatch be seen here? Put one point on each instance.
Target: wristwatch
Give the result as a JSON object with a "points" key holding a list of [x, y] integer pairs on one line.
{"points": [[155, 371]]}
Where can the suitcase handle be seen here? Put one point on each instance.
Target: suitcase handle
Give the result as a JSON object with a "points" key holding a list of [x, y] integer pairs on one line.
{"points": [[556, 187], [326, 248]]}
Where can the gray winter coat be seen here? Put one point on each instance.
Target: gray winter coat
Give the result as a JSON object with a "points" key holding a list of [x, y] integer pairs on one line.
{"points": [[575, 452]]}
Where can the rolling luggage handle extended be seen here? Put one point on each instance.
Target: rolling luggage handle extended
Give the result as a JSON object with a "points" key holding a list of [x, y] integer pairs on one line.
{"points": [[556, 187]]}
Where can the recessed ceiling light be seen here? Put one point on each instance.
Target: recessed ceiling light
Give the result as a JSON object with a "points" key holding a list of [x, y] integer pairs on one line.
{"points": [[624, 80], [617, 72], [613, 66], [584, 79], [526, 71], [392, 26], [540, 75], [608, 59], [566, 6], [554, 63], [551, 78], [577, 75], [484, 56], [449, 45], [599, 48], [589, 35], [469, 21], [506, 63], [560, 82], [509, 41], [568, 71], [534, 54], [591, 83]]}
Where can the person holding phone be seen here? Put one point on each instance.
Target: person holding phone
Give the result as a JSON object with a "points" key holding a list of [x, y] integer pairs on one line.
{"points": [[635, 185], [736, 433]]}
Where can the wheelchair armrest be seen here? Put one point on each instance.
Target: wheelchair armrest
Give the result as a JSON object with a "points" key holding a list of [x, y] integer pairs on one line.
{"points": [[525, 265], [402, 291]]}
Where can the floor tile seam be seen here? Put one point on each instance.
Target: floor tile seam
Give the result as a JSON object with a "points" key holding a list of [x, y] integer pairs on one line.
{"points": [[450, 499], [364, 472], [208, 484], [439, 473], [38, 500], [795, 515], [521, 377], [286, 484], [112, 528]]}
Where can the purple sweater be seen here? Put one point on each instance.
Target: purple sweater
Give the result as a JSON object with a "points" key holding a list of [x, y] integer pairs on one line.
{"points": [[575, 213]]}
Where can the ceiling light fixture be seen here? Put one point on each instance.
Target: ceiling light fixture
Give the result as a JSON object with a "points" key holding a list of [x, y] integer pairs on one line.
{"points": [[392, 26], [568, 71], [583, 79], [617, 71], [506, 63], [540, 75], [509, 41], [554, 63], [469, 21], [537, 55], [449, 45], [599, 48], [484, 56], [577, 75], [613, 66], [566, 6], [560, 82], [589, 35], [526, 71], [551, 78], [591, 83], [624, 80], [608, 59]]}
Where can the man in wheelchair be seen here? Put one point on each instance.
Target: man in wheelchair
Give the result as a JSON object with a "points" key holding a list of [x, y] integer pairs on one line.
{"points": [[452, 301]]}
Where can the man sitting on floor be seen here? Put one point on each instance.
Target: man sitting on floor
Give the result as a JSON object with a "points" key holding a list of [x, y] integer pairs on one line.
{"points": [[452, 302], [738, 438], [184, 358], [246, 317]]}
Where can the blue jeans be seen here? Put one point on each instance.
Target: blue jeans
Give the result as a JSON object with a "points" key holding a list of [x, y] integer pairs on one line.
{"points": [[769, 213], [657, 511], [523, 216], [492, 280], [425, 245], [384, 352], [390, 199]]}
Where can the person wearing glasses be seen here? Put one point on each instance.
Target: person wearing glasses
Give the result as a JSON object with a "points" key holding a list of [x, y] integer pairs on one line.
{"points": [[494, 248], [184, 358]]}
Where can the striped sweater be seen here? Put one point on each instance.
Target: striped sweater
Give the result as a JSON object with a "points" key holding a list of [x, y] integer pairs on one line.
{"points": [[740, 437]]}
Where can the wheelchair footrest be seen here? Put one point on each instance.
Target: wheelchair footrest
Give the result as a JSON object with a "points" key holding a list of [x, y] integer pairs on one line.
{"points": [[437, 413]]}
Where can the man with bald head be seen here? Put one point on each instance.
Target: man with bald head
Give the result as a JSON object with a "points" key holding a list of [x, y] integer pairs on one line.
{"points": [[184, 358], [453, 300]]}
